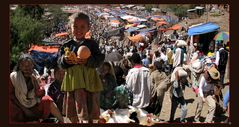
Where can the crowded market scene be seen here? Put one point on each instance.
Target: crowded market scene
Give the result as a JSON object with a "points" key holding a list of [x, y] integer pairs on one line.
{"points": [[119, 63]]}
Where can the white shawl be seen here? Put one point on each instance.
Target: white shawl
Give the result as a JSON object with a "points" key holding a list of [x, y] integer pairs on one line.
{"points": [[27, 99]]}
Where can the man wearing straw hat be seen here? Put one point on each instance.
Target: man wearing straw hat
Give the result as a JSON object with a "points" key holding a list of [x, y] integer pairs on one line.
{"points": [[206, 94], [179, 80]]}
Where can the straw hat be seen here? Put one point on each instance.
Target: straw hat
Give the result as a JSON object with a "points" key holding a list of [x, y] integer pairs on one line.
{"points": [[214, 73]]}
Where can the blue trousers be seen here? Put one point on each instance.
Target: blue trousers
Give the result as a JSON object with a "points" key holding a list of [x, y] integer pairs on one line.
{"points": [[226, 99]]}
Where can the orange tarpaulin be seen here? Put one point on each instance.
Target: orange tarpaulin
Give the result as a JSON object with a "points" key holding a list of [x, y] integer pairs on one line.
{"points": [[48, 49], [157, 19], [175, 27], [161, 23], [136, 38], [115, 21], [62, 34]]}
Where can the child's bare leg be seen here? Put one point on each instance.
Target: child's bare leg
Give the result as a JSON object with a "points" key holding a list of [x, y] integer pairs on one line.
{"points": [[81, 104], [94, 104]]}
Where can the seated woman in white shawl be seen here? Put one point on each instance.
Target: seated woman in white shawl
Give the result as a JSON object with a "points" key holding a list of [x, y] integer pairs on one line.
{"points": [[27, 100]]}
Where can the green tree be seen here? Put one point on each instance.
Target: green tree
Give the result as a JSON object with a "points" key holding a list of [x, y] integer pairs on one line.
{"points": [[179, 9], [26, 28]]}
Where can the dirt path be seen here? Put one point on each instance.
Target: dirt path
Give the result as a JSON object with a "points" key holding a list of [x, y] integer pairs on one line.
{"points": [[191, 100]]}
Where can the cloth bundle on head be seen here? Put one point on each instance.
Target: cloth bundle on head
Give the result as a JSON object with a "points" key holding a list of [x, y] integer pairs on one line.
{"points": [[197, 66], [181, 72], [180, 43]]}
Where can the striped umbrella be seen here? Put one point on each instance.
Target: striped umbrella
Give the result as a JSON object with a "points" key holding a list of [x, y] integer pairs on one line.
{"points": [[222, 36]]}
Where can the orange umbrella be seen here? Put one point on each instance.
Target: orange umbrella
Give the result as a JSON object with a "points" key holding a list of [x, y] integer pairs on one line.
{"points": [[161, 23], [62, 34], [115, 21], [136, 38], [155, 19], [175, 27]]}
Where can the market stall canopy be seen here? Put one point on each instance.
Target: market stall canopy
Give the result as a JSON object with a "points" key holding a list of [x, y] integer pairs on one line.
{"points": [[175, 27], [125, 17], [115, 21], [166, 18], [46, 49], [136, 38], [222, 36], [116, 32], [141, 26], [131, 29], [203, 28], [62, 34], [156, 19], [161, 23], [148, 30], [44, 56], [130, 25]]}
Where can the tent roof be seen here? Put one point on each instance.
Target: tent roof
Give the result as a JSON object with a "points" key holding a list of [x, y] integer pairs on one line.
{"points": [[47, 49], [148, 29], [202, 29], [131, 29]]}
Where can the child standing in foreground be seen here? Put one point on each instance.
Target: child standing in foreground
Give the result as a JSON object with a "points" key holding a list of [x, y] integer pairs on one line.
{"points": [[81, 83]]}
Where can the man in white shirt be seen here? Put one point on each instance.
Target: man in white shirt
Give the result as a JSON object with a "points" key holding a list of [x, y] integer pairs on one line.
{"points": [[138, 82], [206, 94]]}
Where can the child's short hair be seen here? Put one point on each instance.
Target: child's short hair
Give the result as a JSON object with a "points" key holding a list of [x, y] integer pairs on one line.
{"points": [[80, 16]]}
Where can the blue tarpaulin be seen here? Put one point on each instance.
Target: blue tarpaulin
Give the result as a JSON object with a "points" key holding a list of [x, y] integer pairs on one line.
{"points": [[131, 29], [44, 59], [147, 30], [202, 29]]}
